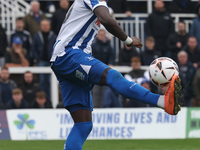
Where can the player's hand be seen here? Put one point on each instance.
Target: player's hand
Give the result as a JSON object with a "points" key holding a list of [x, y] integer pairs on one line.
{"points": [[136, 42]]}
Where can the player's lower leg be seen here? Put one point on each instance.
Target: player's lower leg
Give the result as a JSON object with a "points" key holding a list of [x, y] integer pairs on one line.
{"points": [[131, 90], [78, 135], [81, 129]]}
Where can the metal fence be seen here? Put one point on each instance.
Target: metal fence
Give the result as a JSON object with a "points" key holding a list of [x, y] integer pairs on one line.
{"points": [[10, 9], [134, 26], [53, 81]]}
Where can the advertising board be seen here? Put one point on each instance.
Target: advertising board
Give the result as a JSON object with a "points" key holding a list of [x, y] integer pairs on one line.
{"points": [[115, 123]]}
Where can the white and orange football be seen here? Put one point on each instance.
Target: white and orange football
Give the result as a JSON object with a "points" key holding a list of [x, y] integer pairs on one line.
{"points": [[161, 71]]}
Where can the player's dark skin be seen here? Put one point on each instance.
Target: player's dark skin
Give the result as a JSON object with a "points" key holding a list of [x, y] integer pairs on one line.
{"points": [[112, 26]]}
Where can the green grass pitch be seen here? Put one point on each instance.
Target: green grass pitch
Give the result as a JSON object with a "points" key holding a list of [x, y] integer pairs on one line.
{"points": [[186, 144]]}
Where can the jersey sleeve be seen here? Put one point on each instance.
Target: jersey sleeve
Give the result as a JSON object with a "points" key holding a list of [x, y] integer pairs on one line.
{"points": [[92, 4]]}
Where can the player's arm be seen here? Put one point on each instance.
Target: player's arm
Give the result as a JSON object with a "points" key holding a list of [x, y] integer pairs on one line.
{"points": [[112, 26]]}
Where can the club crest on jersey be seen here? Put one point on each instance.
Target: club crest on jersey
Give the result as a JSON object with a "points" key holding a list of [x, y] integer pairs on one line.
{"points": [[90, 58], [80, 75]]}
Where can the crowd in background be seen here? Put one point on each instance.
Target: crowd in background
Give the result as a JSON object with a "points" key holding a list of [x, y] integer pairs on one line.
{"points": [[31, 43]]}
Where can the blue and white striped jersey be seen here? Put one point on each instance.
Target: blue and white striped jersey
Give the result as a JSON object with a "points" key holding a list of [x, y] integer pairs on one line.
{"points": [[79, 28]]}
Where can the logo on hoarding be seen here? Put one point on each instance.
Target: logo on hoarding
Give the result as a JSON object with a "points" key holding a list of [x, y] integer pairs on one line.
{"points": [[27, 127], [24, 121], [193, 123]]}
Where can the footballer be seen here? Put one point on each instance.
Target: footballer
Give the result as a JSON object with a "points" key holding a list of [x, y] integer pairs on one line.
{"points": [[77, 70]]}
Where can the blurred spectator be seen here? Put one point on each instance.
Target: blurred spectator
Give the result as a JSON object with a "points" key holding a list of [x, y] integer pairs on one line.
{"points": [[119, 6], [197, 6], [186, 73], [111, 98], [150, 53], [59, 16], [1, 104], [102, 50], [126, 54], [97, 95], [23, 34], [6, 86], [137, 75], [137, 6], [17, 56], [47, 6], [32, 20], [134, 103], [160, 26], [41, 101], [43, 43], [178, 40], [29, 88], [181, 6], [193, 51], [60, 103], [196, 89], [42, 47], [195, 28], [17, 101], [3, 45]]}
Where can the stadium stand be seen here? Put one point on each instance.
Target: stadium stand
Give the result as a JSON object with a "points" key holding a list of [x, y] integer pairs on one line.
{"points": [[134, 25]]}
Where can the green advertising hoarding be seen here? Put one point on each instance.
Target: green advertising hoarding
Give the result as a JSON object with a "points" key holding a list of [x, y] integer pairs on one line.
{"points": [[193, 123]]}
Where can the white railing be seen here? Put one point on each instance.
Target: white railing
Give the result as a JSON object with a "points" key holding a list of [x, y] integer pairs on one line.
{"points": [[10, 10], [41, 70], [135, 26], [53, 81]]}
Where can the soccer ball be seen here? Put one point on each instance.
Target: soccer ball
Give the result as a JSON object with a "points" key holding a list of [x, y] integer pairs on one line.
{"points": [[161, 71]]}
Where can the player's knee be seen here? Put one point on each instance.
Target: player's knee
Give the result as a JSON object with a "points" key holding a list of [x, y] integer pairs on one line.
{"points": [[88, 127], [84, 129], [113, 77]]}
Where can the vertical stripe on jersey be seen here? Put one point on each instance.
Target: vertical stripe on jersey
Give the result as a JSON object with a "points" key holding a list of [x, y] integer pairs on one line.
{"points": [[87, 6], [77, 37], [87, 39]]}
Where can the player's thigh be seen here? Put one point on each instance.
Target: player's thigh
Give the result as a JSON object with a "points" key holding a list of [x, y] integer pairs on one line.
{"points": [[80, 68], [75, 94], [98, 72], [82, 115]]}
